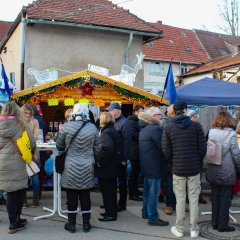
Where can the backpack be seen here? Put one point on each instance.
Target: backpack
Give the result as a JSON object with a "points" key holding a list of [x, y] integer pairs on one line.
{"points": [[214, 151]]}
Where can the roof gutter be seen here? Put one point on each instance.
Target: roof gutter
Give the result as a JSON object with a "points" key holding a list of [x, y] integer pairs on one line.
{"points": [[127, 49], [210, 70], [23, 33], [173, 61], [90, 26]]}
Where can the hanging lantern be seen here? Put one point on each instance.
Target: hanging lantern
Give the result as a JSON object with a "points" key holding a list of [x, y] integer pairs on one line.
{"points": [[53, 102], [119, 102], [69, 102], [99, 103], [84, 101]]}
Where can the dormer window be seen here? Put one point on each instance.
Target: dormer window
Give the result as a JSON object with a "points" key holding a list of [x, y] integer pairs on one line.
{"points": [[184, 34], [223, 51], [150, 44], [188, 49]]}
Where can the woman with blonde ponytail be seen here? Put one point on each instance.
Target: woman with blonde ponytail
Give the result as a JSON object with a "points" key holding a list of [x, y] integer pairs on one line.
{"points": [[13, 174]]}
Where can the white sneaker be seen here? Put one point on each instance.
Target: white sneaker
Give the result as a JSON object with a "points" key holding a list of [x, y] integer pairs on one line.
{"points": [[194, 233], [175, 232]]}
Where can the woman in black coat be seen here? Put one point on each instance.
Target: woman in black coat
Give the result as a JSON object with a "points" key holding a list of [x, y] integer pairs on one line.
{"points": [[106, 166]]}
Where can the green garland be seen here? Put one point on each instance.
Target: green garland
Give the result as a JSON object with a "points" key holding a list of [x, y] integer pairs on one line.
{"points": [[74, 82], [80, 81], [52, 88], [129, 94], [97, 82], [24, 98]]}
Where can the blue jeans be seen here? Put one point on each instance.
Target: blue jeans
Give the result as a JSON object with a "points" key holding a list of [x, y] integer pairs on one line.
{"points": [[35, 184], [150, 198]]}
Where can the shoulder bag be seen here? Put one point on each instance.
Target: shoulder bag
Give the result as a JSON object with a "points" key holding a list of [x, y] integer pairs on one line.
{"points": [[24, 147], [60, 158]]}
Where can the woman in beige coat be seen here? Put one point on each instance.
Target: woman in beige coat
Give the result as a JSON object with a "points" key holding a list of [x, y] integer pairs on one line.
{"points": [[13, 174], [33, 125]]}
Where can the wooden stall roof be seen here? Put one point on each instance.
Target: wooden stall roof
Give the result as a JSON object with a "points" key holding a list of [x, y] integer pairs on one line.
{"points": [[87, 85]]}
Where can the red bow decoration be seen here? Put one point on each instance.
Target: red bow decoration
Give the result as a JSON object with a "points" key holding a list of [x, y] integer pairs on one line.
{"points": [[87, 89]]}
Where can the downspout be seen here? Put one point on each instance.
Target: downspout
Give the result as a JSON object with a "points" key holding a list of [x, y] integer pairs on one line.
{"points": [[127, 49], [23, 22]]}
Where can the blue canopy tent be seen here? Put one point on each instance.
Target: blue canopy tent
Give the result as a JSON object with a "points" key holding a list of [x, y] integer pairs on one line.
{"points": [[210, 92]]}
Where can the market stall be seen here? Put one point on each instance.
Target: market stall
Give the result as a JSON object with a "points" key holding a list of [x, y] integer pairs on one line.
{"points": [[86, 87], [89, 86]]}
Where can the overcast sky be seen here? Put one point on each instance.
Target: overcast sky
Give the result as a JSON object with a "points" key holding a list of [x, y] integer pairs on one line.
{"points": [[189, 14]]}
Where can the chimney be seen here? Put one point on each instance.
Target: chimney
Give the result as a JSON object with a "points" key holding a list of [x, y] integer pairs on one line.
{"points": [[159, 22]]}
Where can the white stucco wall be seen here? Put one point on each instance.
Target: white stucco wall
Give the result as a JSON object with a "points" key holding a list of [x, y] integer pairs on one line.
{"points": [[11, 59], [72, 49], [155, 83]]}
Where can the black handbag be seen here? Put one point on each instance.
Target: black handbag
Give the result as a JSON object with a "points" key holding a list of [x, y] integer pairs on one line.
{"points": [[60, 158]]}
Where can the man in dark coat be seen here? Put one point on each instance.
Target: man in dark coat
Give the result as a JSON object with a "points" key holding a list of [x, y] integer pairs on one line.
{"points": [[152, 163], [124, 131], [184, 146], [134, 154]]}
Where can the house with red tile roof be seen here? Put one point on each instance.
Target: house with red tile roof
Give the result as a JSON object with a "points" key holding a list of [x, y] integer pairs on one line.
{"points": [[217, 44], [4, 27], [225, 61], [68, 35], [179, 46], [225, 68]]}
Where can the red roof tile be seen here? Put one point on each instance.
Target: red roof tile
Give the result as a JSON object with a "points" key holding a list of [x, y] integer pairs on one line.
{"points": [[217, 64], [94, 12], [214, 42], [231, 39], [179, 44], [4, 27]]}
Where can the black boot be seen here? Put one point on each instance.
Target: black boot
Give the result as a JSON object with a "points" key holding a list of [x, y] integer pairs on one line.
{"points": [[15, 225], [21, 220], [86, 222], [71, 225]]}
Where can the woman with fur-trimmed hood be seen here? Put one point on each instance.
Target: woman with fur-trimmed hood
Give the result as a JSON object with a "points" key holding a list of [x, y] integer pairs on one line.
{"points": [[151, 162], [78, 175]]}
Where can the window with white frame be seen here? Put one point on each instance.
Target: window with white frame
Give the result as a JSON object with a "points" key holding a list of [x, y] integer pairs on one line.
{"points": [[183, 69], [12, 78], [157, 68]]}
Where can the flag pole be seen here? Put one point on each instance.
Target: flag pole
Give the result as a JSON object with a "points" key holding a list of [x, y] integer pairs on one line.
{"points": [[165, 84]]}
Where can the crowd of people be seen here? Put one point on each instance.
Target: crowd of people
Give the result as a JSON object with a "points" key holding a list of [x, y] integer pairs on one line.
{"points": [[168, 150]]}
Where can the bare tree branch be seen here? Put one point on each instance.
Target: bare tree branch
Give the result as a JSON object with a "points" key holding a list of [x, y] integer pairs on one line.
{"points": [[229, 11]]}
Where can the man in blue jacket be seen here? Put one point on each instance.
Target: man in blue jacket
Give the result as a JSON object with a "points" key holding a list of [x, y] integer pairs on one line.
{"points": [[153, 166], [124, 131]]}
